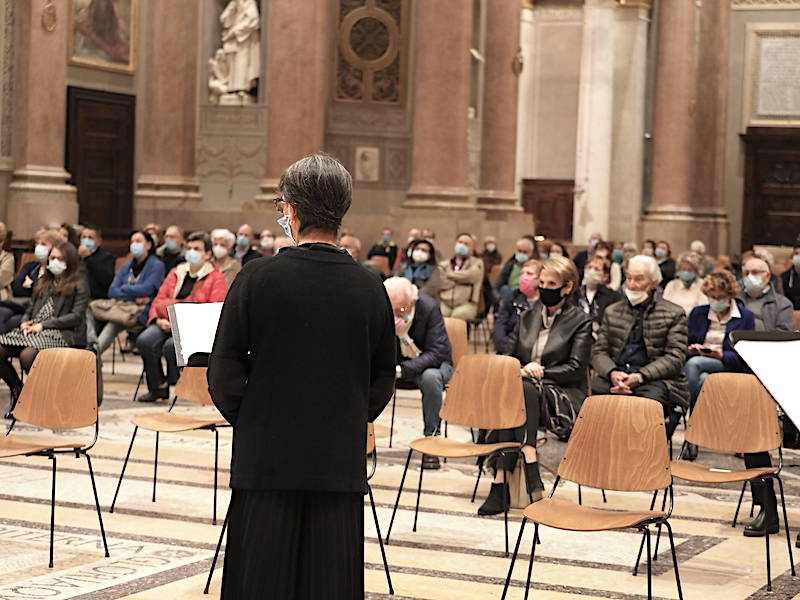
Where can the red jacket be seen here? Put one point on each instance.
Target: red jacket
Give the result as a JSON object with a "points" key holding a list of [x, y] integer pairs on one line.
{"points": [[210, 287]]}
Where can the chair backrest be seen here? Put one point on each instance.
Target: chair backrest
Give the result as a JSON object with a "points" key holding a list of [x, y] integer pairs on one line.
{"points": [[618, 443], [193, 386], [797, 320], [457, 332], [370, 438], [121, 260], [380, 263], [60, 391], [734, 413], [494, 274], [485, 393]]}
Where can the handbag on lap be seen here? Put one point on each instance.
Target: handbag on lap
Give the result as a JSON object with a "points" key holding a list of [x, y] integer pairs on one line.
{"points": [[121, 312]]}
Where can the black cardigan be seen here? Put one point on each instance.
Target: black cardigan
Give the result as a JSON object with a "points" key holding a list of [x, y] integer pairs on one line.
{"points": [[303, 358], [99, 272]]}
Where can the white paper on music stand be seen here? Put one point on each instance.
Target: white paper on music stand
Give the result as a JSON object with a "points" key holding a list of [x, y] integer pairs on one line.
{"points": [[776, 364], [194, 327]]}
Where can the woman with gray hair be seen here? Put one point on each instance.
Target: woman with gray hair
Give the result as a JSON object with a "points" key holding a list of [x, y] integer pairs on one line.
{"points": [[223, 241], [303, 359], [686, 290]]}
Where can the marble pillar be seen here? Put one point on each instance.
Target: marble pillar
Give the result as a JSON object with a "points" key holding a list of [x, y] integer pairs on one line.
{"points": [[39, 193], [688, 125], [439, 161], [168, 113], [499, 127], [297, 84]]}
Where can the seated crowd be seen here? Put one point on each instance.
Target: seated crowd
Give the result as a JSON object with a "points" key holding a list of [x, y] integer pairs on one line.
{"points": [[615, 319]]}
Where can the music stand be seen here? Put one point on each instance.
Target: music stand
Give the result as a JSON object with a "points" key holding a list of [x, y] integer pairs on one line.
{"points": [[194, 327]]}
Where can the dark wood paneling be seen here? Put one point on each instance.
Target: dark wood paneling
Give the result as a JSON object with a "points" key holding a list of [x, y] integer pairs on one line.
{"points": [[771, 212], [550, 203], [99, 156]]}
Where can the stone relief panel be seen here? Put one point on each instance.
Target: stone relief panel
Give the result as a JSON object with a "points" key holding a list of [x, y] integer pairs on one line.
{"points": [[374, 162], [371, 52], [231, 145]]}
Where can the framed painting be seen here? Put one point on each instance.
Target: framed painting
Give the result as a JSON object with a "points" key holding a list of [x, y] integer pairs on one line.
{"points": [[102, 34]]}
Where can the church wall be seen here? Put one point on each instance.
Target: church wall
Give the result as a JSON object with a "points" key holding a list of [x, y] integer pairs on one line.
{"points": [[6, 99], [746, 13]]}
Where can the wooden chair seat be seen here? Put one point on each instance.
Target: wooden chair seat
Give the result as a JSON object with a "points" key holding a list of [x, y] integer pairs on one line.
{"points": [[447, 448], [693, 471], [172, 423], [562, 514], [21, 445]]}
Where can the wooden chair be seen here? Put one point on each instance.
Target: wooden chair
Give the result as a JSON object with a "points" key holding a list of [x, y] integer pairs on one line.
{"points": [[193, 387], [60, 393], [618, 443], [485, 393], [735, 414], [370, 453]]}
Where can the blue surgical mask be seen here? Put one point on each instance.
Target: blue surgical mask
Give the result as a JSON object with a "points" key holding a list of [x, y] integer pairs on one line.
{"points": [[661, 253], [618, 256], [386, 239], [171, 245], [242, 242], [42, 252], [796, 260], [137, 249], [194, 257], [461, 250], [753, 284], [686, 276], [719, 306], [521, 257], [89, 244], [284, 223]]}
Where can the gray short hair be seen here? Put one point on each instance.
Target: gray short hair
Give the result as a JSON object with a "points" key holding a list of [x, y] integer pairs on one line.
{"points": [[225, 234], [320, 189], [404, 286], [651, 264]]}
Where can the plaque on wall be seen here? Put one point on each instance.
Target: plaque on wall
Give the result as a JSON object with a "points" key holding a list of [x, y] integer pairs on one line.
{"points": [[774, 76]]}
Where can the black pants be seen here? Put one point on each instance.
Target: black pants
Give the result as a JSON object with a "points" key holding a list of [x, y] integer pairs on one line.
{"points": [[7, 371], [763, 494], [526, 433], [294, 545]]}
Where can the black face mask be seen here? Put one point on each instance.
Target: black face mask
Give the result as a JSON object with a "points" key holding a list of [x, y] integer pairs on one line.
{"points": [[550, 297]]}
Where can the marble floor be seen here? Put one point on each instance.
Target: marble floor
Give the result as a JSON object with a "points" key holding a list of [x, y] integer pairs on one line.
{"points": [[163, 549]]}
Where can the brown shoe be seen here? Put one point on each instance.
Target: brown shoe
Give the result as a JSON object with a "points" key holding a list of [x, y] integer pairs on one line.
{"points": [[430, 462]]}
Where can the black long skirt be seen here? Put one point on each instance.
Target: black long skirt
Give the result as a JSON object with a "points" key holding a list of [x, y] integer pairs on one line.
{"points": [[294, 545]]}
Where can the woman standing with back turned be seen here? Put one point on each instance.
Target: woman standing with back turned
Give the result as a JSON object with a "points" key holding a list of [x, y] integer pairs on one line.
{"points": [[304, 358]]}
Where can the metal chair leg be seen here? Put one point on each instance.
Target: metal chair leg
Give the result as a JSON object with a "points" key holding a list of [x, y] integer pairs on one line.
{"points": [[97, 503], [649, 566], [391, 425], [124, 466], [219, 545], [380, 541], [514, 558], [533, 555], [477, 481], [216, 470], [399, 491], [658, 537], [739, 505], [114, 356], [138, 385], [506, 494], [641, 544], [769, 565], [604, 496], [52, 510], [786, 527], [155, 468], [674, 559], [580, 496], [419, 489]]}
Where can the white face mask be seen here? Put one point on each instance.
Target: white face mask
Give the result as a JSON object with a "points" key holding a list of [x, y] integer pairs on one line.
{"points": [[220, 251], [636, 298], [592, 278], [420, 256], [56, 267]]}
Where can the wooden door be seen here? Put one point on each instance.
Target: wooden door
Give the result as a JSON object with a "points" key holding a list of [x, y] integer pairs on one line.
{"points": [[550, 201], [771, 213], [99, 156]]}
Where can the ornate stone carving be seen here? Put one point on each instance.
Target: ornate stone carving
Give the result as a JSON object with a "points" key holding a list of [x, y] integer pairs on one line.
{"points": [[370, 62], [231, 144]]}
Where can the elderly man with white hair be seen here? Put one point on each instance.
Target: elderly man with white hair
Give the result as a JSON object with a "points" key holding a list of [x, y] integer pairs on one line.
{"points": [[223, 241], [423, 351], [699, 248], [773, 311], [641, 344]]}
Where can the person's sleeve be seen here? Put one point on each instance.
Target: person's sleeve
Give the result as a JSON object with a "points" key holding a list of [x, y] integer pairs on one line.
{"points": [[104, 272], [16, 287], [693, 328], [513, 340], [504, 275], [382, 368], [500, 333], [785, 320], [433, 284], [731, 358], [472, 274], [578, 361], [602, 362], [75, 317], [436, 344], [6, 270], [227, 365], [670, 364], [164, 297], [115, 290], [219, 287]]}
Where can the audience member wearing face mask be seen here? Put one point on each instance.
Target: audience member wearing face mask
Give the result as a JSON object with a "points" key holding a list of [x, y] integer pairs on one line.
{"points": [[490, 256], [196, 280], [386, 247], [171, 251], [98, 263], [222, 243], [791, 279], [420, 268], [136, 281], [243, 250], [507, 318], [55, 318], [604, 250], [663, 255], [266, 243], [583, 256], [508, 281], [461, 279], [594, 295], [686, 290], [773, 311]]}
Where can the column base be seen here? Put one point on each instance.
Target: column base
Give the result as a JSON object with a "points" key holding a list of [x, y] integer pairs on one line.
{"points": [[40, 196], [439, 198], [156, 194], [493, 202], [268, 191], [680, 225]]}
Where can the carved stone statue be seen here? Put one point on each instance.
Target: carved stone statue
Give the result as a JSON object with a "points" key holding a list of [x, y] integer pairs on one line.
{"points": [[235, 68]]}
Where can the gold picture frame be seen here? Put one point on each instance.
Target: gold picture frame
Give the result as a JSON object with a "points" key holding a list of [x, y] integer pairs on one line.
{"points": [[102, 34]]}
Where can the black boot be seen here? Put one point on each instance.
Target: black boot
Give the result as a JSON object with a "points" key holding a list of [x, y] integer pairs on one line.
{"points": [[690, 452], [158, 394], [494, 505], [762, 524], [15, 392], [797, 541], [533, 481]]}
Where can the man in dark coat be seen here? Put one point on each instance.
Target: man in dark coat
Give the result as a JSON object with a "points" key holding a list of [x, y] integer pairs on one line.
{"points": [[303, 359], [98, 263], [385, 247]]}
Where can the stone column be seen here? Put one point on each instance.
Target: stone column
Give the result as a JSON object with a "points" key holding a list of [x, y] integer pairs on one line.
{"points": [[688, 125], [499, 128], [298, 81], [38, 193], [439, 161], [168, 111]]}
